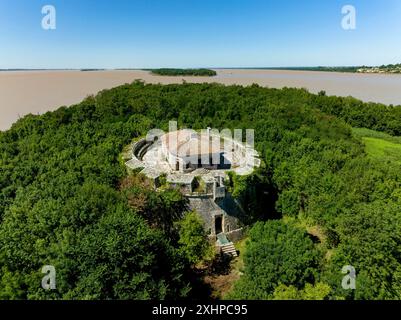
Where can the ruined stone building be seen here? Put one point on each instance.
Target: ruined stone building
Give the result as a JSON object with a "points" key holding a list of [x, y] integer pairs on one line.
{"points": [[197, 165]]}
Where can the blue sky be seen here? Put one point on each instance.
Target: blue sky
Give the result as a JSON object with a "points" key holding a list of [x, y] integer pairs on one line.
{"points": [[198, 33]]}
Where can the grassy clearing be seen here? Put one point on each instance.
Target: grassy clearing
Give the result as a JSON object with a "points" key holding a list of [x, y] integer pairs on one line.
{"points": [[238, 263], [383, 150], [367, 133], [380, 146]]}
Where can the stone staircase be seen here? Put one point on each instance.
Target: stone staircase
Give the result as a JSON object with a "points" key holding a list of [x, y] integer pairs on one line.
{"points": [[229, 249], [226, 247]]}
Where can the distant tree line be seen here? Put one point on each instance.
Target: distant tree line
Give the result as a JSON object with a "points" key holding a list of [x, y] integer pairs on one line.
{"points": [[184, 72], [350, 69], [390, 68]]}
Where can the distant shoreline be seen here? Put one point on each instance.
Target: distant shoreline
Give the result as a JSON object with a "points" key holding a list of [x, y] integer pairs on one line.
{"points": [[389, 69], [340, 69]]}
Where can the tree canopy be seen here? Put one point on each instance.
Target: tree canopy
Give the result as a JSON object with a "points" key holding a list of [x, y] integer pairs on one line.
{"points": [[65, 199], [276, 253]]}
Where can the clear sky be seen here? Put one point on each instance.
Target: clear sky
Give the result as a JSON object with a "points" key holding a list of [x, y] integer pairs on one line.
{"points": [[198, 33]]}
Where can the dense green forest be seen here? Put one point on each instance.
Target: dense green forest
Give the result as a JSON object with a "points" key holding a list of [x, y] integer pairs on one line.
{"points": [[319, 202], [184, 72]]}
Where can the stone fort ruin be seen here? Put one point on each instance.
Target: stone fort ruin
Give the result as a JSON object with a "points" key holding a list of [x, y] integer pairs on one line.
{"points": [[197, 163]]}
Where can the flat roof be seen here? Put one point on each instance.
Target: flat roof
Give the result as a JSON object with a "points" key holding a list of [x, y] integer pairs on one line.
{"points": [[208, 178], [180, 178], [151, 173], [135, 164]]}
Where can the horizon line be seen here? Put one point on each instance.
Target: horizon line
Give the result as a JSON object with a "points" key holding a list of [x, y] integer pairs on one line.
{"points": [[147, 68]]}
